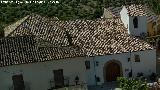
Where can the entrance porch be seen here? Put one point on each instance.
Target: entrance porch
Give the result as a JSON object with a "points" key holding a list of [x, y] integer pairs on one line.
{"points": [[112, 69]]}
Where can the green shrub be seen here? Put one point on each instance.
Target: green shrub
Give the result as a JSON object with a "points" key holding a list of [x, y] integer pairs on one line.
{"points": [[132, 84]]}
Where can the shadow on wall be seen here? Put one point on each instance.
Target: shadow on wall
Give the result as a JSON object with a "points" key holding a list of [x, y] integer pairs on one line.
{"points": [[27, 86]]}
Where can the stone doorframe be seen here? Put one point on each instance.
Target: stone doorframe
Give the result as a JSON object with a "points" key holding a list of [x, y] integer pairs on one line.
{"points": [[105, 67]]}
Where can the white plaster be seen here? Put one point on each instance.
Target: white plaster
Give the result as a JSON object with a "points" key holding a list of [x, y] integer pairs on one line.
{"points": [[147, 64], [142, 25], [125, 17], [128, 23], [107, 13], [37, 75]]}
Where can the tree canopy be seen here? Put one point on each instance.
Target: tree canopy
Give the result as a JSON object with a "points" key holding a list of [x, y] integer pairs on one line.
{"points": [[65, 9]]}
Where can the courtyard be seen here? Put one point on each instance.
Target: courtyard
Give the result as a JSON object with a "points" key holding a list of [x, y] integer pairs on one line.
{"points": [[105, 86]]}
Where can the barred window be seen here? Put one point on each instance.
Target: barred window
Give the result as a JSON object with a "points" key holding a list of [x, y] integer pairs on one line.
{"points": [[135, 22], [87, 63], [137, 58]]}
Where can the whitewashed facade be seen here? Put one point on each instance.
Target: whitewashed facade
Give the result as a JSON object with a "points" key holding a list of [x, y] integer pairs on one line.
{"points": [[106, 49], [37, 76], [147, 65], [128, 22], [107, 14]]}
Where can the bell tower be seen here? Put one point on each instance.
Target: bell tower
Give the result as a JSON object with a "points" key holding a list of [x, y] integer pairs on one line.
{"points": [[134, 21]]}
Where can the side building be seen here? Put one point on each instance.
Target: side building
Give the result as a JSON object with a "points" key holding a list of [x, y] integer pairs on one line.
{"points": [[146, 18], [24, 66]]}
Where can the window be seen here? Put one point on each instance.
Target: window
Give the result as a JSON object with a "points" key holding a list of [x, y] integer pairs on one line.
{"points": [[129, 59], [154, 24], [135, 22], [87, 63], [97, 63], [58, 78], [137, 58], [98, 79], [18, 82]]}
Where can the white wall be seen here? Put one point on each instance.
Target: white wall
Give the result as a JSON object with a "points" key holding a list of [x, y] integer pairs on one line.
{"points": [[125, 17], [90, 73], [37, 75], [12, 27], [107, 13], [128, 23], [142, 25], [147, 64]]}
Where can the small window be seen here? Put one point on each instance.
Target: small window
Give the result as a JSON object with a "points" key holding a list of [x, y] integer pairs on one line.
{"points": [[135, 22], [18, 82], [98, 79], [137, 58], [58, 78], [154, 24], [97, 63], [87, 63], [129, 59]]}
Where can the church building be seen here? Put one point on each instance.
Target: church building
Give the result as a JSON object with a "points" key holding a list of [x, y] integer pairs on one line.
{"points": [[40, 53]]}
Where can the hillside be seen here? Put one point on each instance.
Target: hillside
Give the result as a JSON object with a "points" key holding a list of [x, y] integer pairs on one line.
{"points": [[65, 9]]}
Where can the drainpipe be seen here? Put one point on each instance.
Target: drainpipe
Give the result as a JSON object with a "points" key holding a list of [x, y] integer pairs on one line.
{"points": [[95, 76], [130, 73]]}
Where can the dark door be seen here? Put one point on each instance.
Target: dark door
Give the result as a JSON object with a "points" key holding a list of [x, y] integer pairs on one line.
{"points": [[18, 82], [112, 71], [58, 78]]}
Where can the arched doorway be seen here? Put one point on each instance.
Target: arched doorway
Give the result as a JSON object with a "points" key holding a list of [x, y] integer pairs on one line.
{"points": [[112, 70]]}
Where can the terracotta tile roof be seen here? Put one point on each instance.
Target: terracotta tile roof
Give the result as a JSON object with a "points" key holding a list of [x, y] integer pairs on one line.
{"points": [[24, 49], [103, 37], [106, 36], [42, 29], [135, 10], [53, 40]]}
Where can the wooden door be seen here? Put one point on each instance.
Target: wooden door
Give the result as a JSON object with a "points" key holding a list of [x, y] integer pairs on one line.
{"points": [[18, 82], [58, 78], [112, 71]]}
